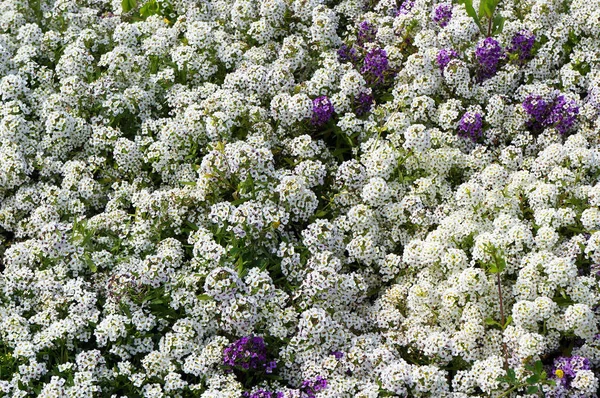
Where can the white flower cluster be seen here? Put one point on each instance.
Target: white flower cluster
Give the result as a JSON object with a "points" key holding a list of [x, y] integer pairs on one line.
{"points": [[396, 200]]}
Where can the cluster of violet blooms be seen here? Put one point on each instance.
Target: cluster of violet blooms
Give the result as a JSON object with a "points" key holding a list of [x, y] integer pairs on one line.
{"points": [[374, 67], [322, 111], [488, 54], [250, 354], [559, 113], [565, 369]]}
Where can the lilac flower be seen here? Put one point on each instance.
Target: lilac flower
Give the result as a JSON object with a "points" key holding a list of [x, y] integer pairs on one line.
{"points": [[263, 394], [310, 387], [593, 98], [322, 111], [488, 54], [366, 33], [561, 113], [442, 14], [521, 44], [337, 354], [270, 366], [375, 66], [347, 54], [445, 56], [247, 353], [565, 368], [405, 7], [363, 103], [470, 126], [538, 109]]}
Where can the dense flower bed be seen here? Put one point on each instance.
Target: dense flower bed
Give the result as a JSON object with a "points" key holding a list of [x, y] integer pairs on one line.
{"points": [[299, 198]]}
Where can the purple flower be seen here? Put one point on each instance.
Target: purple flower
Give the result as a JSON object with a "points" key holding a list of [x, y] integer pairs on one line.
{"points": [[322, 111], [538, 109], [593, 98], [445, 56], [263, 394], [561, 113], [405, 7], [442, 14], [470, 126], [366, 33], [565, 368], [488, 54], [247, 353], [363, 103], [375, 66], [337, 354], [521, 44], [310, 387], [270, 366], [347, 54]]}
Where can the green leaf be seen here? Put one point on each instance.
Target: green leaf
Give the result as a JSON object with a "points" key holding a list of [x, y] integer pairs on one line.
{"points": [[508, 321], [511, 375], [533, 379], [204, 297], [498, 24], [150, 8], [491, 322], [128, 5], [471, 11], [240, 266], [487, 7], [125, 309], [532, 389], [320, 213]]}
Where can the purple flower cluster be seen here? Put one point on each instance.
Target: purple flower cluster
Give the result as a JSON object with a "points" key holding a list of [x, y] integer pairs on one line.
{"points": [[405, 7], [560, 113], [470, 126], [366, 33], [565, 368], [445, 55], [322, 111], [247, 353], [310, 387], [363, 103], [522, 44], [263, 394], [488, 54], [347, 54], [563, 114], [442, 14], [375, 66]]}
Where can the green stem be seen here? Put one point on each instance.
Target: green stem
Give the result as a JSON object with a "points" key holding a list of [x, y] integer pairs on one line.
{"points": [[505, 393]]}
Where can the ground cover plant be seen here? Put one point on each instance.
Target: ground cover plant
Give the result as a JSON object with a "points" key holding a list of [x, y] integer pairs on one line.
{"points": [[299, 198]]}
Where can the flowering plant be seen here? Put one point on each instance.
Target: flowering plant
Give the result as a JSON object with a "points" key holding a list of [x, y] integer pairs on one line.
{"points": [[299, 198]]}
